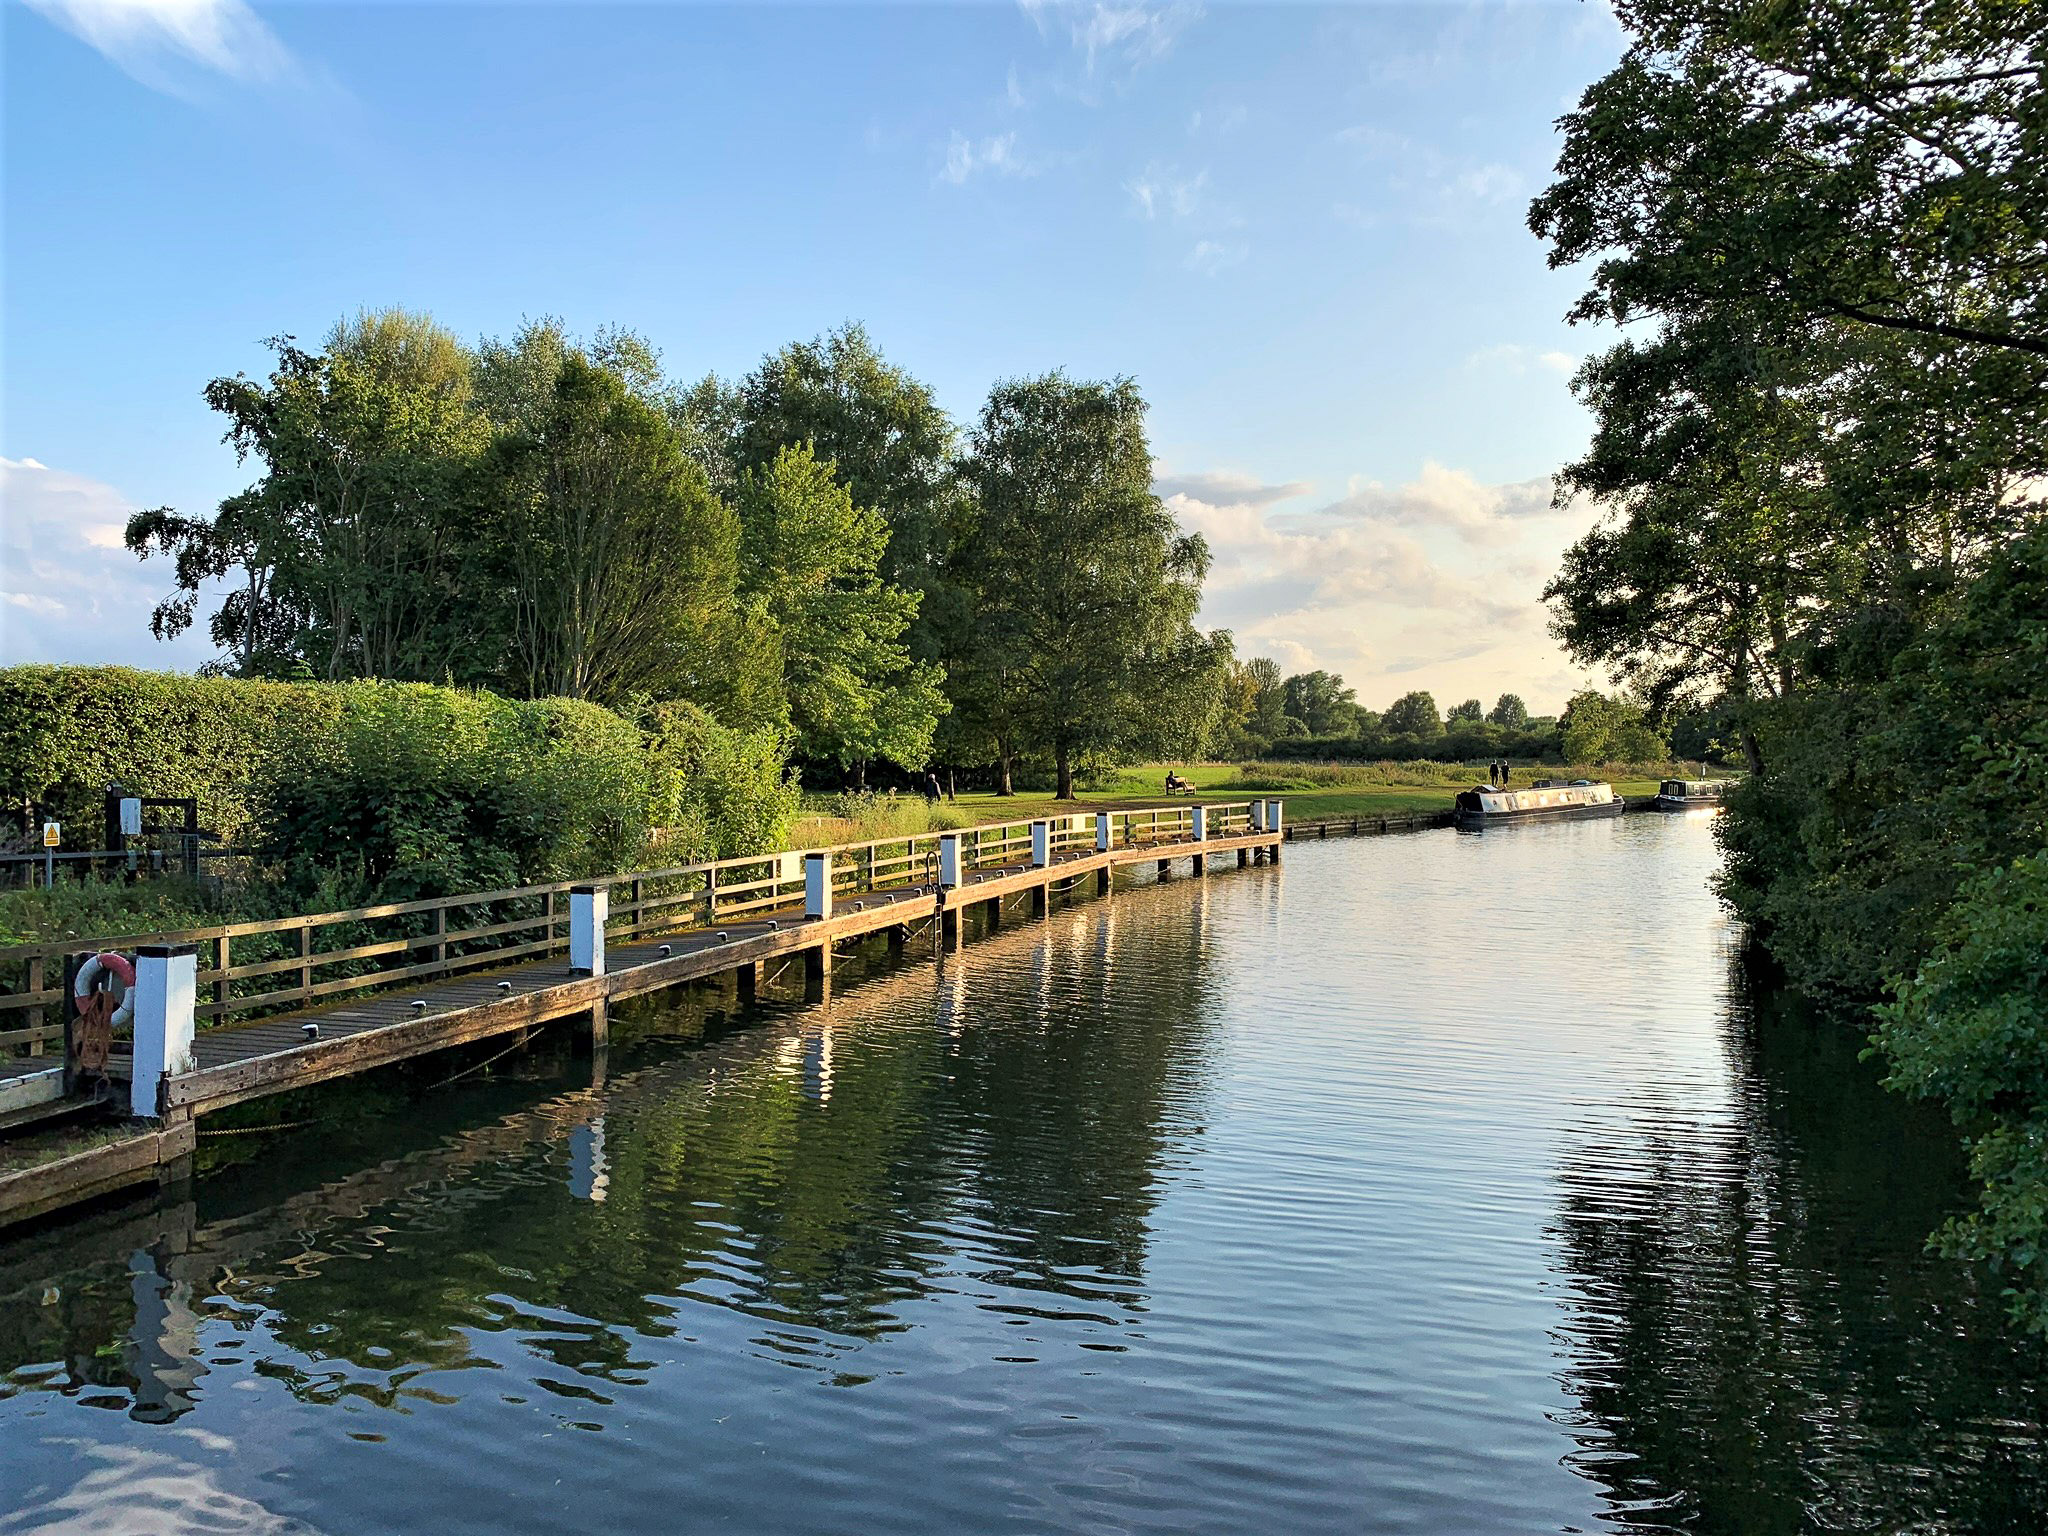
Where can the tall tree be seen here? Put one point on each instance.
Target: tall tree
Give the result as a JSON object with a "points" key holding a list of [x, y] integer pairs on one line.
{"points": [[1321, 702], [1083, 584], [1509, 710], [882, 431], [619, 561], [1413, 714], [352, 544], [1268, 720], [810, 556], [1470, 712]]}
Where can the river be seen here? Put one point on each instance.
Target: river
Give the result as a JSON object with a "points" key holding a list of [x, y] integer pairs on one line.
{"points": [[1441, 1183]]}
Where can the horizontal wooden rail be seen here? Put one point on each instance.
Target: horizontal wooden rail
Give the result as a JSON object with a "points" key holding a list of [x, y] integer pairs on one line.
{"points": [[331, 954]]}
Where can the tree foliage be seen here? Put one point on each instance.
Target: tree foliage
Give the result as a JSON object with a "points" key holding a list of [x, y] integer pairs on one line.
{"points": [[1084, 590], [619, 566], [1818, 454], [1413, 714], [809, 569]]}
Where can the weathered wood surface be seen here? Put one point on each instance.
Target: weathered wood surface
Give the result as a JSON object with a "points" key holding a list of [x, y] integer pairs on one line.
{"points": [[297, 959], [243, 1062], [147, 1156]]}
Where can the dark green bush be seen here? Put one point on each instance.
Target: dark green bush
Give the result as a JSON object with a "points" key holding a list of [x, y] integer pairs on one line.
{"points": [[1970, 1028], [423, 791]]}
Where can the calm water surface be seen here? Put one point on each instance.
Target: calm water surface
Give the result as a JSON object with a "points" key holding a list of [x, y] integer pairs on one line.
{"points": [[1438, 1183]]}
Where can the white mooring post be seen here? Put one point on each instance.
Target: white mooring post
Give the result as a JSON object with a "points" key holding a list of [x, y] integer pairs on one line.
{"points": [[1256, 814], [166, 992], [1273, 818], [589, 907], [817, 885], [1102, 838], [949, 860], [1041, 844], [1201, 823]]}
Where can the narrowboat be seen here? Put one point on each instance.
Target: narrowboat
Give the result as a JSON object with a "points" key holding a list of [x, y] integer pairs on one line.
{"points": [[1486, 805], [1690, 794]]}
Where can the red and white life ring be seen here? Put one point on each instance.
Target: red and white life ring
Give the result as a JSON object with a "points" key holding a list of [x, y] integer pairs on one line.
{"points": [[108, 963]]}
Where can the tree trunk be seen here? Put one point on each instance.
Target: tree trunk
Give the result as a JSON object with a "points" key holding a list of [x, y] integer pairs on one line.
{"points": [[951, 793], [1752, 753], [860, 776], [1003, 775], [1066, 785]]}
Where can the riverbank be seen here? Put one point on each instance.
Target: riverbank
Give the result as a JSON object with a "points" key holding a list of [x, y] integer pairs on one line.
{"points": [[1311, 791]]}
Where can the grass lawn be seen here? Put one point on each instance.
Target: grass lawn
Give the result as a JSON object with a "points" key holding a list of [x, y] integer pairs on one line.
{"points": [[1350, 790]]}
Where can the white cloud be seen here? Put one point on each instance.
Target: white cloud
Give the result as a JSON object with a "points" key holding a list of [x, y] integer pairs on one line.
{"points": [[1421, 184], [1447, 499], [1162, 189], [1126, 35], [1211, 256], [1435, 582], [1225, 487], [70, 590], [161, 42], [1220, 123], [967, 158], [1510, 358]]}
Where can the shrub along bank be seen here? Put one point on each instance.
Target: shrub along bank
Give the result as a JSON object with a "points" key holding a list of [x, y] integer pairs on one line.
{"points": [[389, 791]]}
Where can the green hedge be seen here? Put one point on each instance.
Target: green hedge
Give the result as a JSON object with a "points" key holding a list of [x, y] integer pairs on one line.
{"points": [[394, 789], [66, 733]]}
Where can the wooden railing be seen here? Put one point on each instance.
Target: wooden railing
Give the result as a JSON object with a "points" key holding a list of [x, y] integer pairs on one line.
{"points": [[247, 970]]}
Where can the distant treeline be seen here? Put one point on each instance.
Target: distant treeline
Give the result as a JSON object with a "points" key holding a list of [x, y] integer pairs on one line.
{"points": [[1313, 716]]}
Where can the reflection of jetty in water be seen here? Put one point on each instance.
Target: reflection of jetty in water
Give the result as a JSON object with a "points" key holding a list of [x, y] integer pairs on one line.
{"points": [[1756, 1329], [995, 1121]]}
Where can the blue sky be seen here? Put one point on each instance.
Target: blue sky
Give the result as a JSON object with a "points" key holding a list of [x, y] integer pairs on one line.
{"points": [[1300, 228]]}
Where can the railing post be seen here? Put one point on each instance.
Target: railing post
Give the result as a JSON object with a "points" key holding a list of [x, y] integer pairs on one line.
{"points": [[589, 906], [440, 935], [1102, 832], [1041, 844], [37, 1017], [949, 860], [305, 960], [817, 885], [166, 995], [222, 991]]}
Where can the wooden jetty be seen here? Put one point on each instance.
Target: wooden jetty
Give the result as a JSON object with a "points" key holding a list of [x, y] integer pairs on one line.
{"points": [[298, 1001]]}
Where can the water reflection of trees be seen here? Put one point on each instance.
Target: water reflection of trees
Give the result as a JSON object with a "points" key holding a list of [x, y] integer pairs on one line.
{"points": [[821, 1172], [1759, 1341]]}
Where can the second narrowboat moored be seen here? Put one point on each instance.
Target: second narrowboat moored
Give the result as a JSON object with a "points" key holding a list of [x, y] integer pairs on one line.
{"points": [[1690, 794]]}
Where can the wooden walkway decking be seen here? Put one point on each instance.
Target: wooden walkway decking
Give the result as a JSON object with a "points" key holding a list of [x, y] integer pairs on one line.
{"points": [[247, 1061], [375, 1026]]}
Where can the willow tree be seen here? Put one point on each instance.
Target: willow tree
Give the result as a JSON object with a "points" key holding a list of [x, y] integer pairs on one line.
{"points": [[1084, 590]]}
